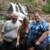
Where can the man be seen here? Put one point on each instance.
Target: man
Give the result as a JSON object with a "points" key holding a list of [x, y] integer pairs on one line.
{"points": [[38, 31], [10, 33]]}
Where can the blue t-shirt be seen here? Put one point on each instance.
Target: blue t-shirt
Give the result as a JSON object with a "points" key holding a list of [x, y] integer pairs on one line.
{"points": [[36, 29]]}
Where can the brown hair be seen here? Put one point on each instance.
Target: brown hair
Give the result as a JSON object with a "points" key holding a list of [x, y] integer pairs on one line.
{"points": [[23, 28], [37, 11], [24, 25]]}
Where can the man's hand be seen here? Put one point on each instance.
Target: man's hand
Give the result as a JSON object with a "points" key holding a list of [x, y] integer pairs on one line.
{"points": [[17, 44], [37, 43], [1, 39], [42, 38]]}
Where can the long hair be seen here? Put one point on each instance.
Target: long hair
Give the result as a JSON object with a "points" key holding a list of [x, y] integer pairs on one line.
{"points": [[23, 28], [24, 25]]}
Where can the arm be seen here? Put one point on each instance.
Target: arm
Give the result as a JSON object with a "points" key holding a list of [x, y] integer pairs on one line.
{"points": [[44, 35], [2, 33], [1, 40], [18, 38], [3, 30]]}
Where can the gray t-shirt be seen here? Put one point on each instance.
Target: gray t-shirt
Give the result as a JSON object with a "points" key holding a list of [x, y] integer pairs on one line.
{"points": [[10, 30]]}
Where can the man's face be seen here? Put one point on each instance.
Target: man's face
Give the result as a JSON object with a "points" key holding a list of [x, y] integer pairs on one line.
{"points": [[14, 19], [37, 17]]}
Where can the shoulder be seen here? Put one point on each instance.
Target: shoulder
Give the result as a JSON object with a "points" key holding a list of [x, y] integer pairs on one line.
{"points": [[31, 23], [8, 21], [45, 23], [44, 26], [18, 23]]}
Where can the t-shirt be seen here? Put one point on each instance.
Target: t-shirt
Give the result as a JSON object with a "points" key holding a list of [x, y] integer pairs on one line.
{"points": [[10, 30], [36, 29]]}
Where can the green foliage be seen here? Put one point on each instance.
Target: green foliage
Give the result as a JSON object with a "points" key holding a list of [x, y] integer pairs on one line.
{"points": [[2, 17], [12, 0], [24, 1], [46, 8], [27, 1]]}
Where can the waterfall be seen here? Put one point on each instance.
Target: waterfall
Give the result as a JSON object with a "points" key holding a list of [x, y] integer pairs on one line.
{"points": [[13, 7], [20, 10], [23, 9]]}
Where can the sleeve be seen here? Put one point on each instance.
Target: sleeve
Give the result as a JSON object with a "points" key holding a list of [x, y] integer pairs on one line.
{"points": [[45, 27], [3, 27]]}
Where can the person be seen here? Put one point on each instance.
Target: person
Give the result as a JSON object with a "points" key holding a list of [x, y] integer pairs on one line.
{"points": [[23, 34], [10, 33], [38, 32], [1, 42]]}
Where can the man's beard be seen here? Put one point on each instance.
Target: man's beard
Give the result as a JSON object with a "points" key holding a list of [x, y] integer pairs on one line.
{"points": [[13, 21]]}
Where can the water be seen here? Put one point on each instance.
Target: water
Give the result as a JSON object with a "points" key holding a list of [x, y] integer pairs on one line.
{"points": [[14, 7], [19, 9], [23, 9]]}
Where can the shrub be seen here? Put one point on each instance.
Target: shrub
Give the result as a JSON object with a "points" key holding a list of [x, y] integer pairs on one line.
{"points": [[46, 8]]}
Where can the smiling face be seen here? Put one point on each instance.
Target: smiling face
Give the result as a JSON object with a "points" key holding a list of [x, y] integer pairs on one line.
{"points": [[14, 18], [37, 17]]}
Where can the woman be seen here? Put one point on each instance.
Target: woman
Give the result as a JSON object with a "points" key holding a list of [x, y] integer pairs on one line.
{"points": [[23, 34]]}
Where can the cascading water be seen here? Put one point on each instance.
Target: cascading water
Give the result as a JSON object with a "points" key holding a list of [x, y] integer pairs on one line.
{"points": [[13, 7], [20, 10], [23, 9]]}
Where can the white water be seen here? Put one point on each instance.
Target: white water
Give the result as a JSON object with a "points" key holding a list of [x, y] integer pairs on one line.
{"points": [[24, 9], [14, 7], [17, 11]]}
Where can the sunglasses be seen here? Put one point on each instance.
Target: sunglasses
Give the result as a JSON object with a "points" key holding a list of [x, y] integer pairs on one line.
{"points": [[14, 18], [36, 16]]}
